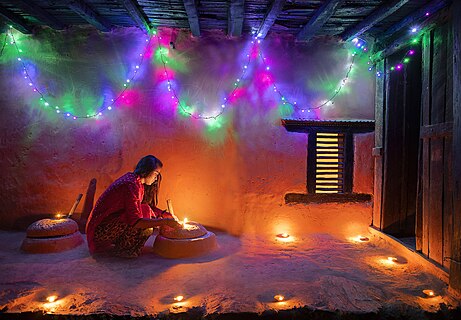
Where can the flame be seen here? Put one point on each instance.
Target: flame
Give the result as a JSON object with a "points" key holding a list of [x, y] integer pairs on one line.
{"points": [[429, 293], [184, 223], [178, 298], [359, 238], [392, 259], [51, 298], [279, 297]]}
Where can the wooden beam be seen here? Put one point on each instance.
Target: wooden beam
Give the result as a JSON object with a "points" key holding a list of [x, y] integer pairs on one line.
{"points": [[319, 18], [235, 18], [455, 266], [430, 8], [137, 15], [15, 20], [41, 14], [192, 16], [87, 13], [390, 46], [380, 102], [269, 19], [375, 17]]}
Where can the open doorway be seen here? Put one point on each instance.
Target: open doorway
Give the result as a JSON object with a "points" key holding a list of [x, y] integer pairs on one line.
{"points": [[401, 144]]}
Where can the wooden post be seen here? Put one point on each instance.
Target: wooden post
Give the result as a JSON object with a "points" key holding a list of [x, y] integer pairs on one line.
{"points": [[422, 242], [378, 149], [87, 205], [311, 160], [455, 267]]}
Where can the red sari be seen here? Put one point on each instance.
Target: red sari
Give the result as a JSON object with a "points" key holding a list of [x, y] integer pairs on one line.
{"points": [[121, 200]]}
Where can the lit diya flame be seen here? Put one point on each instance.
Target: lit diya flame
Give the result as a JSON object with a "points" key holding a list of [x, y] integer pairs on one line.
{"points": [[429, 293], [51, 298], [283, 235], [359, 239], [279, 297], [392, 259], [178, 298], [58, 215]]}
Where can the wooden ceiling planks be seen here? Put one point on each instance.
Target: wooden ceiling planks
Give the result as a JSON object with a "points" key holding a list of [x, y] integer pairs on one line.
{"points": [[318, 19], [235, 17], [41, 14], [136, 14], [192, 16], [376, 16], [269, 19], [89, 14], [15, 20]]}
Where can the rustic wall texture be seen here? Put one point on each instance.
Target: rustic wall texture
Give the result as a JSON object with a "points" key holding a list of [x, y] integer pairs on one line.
{"points": [[231, 173]]}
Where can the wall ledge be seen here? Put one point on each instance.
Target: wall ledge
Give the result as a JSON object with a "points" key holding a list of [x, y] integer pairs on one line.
{"points": [[326, 197], [412, 255]]}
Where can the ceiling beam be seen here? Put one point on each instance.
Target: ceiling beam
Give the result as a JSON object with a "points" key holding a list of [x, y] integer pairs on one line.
{"points": [[15, 20], [235, 18], [87, 13], [269, 19], [192, 16], [376, 16], [39, 13], [319, 18], [430, 8], [137, 15]]}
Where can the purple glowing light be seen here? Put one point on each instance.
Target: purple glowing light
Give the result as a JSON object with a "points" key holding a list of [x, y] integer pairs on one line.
{"points": [[411, 52], [399, 66], [427, 14]]}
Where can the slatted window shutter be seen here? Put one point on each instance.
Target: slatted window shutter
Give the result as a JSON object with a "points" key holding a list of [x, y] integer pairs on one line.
{"points": [[329, 163]]}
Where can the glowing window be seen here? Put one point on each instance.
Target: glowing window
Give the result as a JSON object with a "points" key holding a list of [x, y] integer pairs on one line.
{"points": [[329, 163]]}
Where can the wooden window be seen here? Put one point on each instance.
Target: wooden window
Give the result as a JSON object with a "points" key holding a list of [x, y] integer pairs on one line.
{"points": [[330, 160], [329, 168]]}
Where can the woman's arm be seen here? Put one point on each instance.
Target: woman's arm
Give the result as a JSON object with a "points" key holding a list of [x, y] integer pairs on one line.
{"points": [[145, 223]]}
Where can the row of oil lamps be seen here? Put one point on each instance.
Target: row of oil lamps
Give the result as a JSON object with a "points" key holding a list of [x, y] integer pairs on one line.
{"points": [[279, 297]]}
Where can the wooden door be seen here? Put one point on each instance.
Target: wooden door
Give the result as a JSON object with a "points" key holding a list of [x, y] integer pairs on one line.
{"points": [[435, 213], [401, 140]]}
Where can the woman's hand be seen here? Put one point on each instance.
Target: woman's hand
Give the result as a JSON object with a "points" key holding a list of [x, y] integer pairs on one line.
{"points": [[172, 223]]}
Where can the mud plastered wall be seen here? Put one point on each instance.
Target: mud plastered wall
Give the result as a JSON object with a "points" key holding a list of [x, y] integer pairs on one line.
{"points": [[231, 173]]}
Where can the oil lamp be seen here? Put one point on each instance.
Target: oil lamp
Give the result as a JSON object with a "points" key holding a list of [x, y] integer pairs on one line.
{"points": [[392, 259], [51, 299], [429, 293], [279, 297], [283, 235], [178, 298]]}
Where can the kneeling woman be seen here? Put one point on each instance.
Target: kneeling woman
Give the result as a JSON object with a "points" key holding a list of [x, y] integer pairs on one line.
{"points": [[120, 223]]}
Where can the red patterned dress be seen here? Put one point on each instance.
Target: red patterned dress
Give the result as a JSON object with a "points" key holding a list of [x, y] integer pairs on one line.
{"points": [[110, 224]]}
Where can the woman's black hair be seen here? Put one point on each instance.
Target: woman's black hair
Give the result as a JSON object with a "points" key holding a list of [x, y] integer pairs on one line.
{"points": [[151, 192], [146, 165]]}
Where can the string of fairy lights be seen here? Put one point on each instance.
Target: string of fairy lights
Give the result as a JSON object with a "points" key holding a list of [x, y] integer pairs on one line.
{"points": [[360, 45], [294, 104], [226, 100], [405, 59], [60, 110]]}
